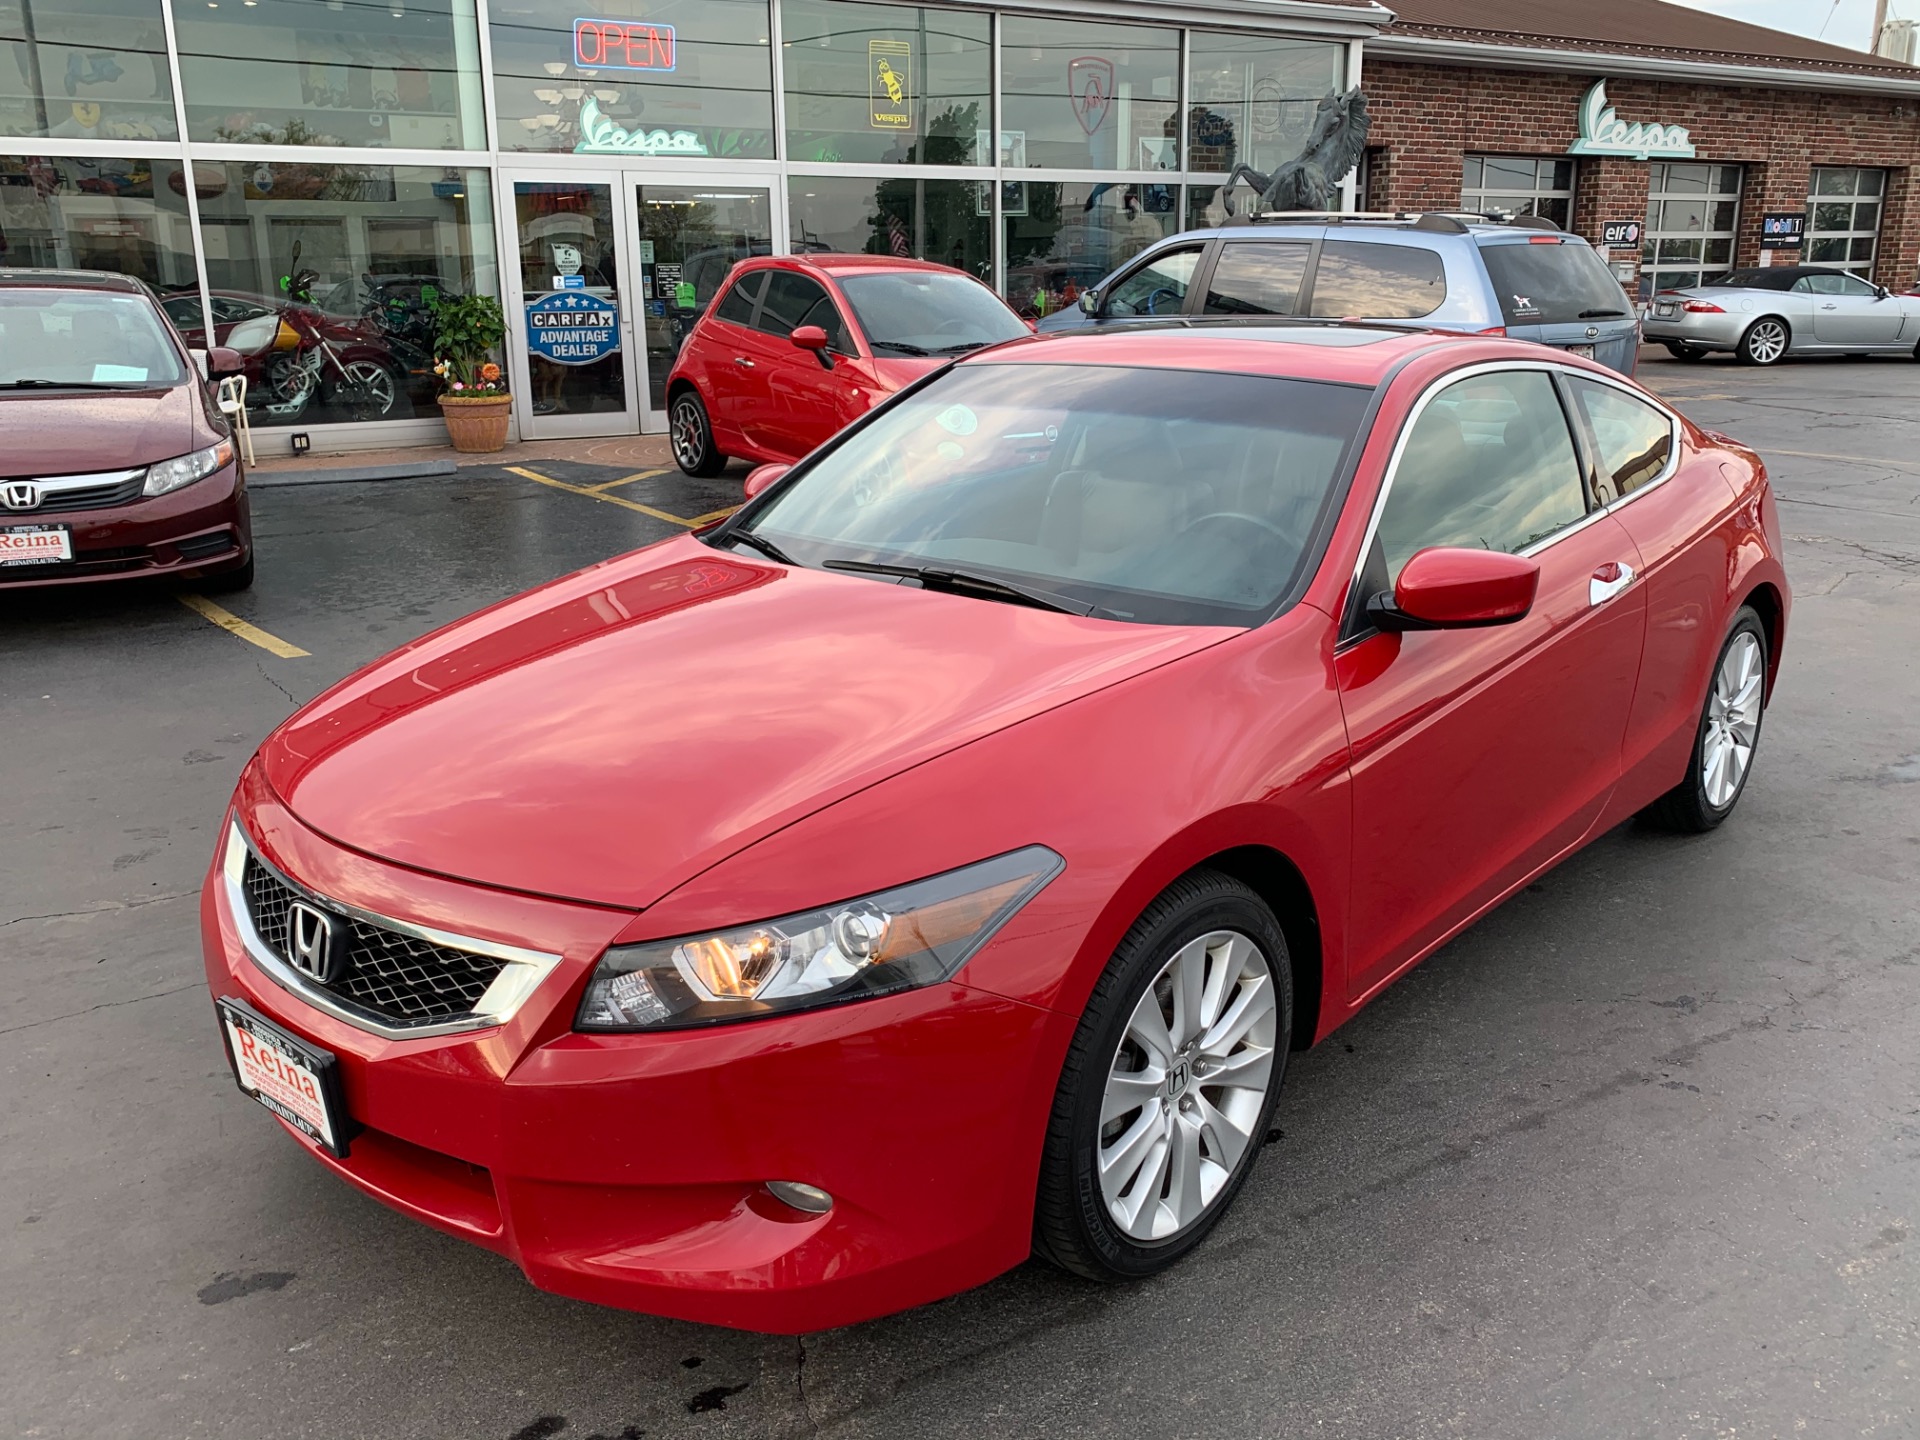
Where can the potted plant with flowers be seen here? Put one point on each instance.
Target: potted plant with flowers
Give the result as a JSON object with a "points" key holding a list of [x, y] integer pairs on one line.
{"points": [[468, 330]]}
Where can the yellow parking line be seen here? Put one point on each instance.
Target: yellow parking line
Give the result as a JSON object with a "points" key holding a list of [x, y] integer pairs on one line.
{"points": [[625, 480], [714, 515], [234, 625], [608, 499]]}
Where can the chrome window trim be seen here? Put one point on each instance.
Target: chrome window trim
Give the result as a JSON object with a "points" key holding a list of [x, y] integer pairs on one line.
{"points": [[522, 974], [1492, 367]]}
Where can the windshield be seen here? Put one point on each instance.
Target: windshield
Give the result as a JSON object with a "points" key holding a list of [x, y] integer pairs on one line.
{"points": [[1554, 284], [922, 312], [83, 338], [1751, 280], [1172, 497]]}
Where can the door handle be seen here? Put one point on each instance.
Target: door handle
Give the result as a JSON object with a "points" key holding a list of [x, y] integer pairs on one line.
{"points": [[743, 360], [1830, 306], [1608, 581]]}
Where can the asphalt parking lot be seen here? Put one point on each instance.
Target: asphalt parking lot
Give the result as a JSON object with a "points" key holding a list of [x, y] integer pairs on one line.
{"points": [[1638, 1155]]}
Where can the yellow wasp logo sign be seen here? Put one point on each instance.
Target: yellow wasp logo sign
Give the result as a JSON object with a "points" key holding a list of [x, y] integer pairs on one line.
{"points": [[890, 70]]}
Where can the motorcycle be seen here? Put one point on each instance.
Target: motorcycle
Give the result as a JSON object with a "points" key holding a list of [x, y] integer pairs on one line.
{"points": [[331, 359]]}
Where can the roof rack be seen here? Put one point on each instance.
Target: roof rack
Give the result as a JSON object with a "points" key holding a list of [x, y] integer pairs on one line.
{"points": [[1452, 222]]}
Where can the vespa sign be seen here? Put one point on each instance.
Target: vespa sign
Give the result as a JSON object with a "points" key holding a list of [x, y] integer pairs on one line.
{"points": [[1603, 132]]}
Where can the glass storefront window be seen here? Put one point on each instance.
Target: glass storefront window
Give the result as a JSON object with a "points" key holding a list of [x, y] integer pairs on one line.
{"points": [[637, 78], [689, 239], [1252, 98], [401, 73], [85, 70], [1060, 239], [946, 221], [324, 275], [1088, 97], [128, 216], [887, 84]]}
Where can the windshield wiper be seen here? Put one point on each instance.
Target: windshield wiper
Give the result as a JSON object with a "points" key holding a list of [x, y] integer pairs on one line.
{"points": [[961, 348], [1601, 314], [765, 546], [900, 345], [935, 577], [34, 384]]}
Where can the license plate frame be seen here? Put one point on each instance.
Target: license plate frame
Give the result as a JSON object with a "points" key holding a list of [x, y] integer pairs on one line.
{"points": [[1665, 309], [12, 555], [315, 1108], [1585, 352]]}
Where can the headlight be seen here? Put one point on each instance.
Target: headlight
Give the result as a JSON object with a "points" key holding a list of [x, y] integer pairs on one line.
{"points": [[918, 934], [170, 475]]}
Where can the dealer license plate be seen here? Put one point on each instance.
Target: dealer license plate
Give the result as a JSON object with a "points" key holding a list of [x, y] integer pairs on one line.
{"points": [[1665, 308], [296, 1081], [35, 544], [1585, 352]]}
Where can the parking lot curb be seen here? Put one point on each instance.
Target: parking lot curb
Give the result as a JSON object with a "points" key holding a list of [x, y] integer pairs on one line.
{"points": [[346, 473]]}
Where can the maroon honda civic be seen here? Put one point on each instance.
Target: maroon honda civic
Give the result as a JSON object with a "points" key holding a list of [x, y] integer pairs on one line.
{"points": [[117, 461]]}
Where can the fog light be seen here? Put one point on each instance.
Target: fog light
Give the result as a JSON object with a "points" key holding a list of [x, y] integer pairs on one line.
{"points": [[801, 1196]]}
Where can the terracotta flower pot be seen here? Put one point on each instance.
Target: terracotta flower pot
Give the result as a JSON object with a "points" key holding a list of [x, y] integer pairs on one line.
{"points": [[477, 425]]}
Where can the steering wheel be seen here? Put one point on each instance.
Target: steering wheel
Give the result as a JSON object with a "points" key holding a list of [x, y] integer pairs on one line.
{"points": [[1242, 518], [1153, 298], [952, 327]]}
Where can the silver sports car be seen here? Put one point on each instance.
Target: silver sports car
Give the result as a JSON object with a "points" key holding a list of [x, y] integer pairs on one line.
{"points": [[1766, 315]]}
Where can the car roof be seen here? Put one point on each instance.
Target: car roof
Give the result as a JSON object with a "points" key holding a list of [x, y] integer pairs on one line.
{"points": [[1432, 228], [837, 263], [72, 280], [1344, 352], [1768, 277]]}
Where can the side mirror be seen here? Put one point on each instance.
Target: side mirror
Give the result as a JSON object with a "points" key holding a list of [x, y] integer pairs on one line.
{"points": [[224, 360], [763, 476], [814, 338], [1448, 589], [1881, 292], [1090, 301]]}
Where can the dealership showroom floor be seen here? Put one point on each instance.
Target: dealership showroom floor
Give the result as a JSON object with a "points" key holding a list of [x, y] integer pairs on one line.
{"points": [[1637, 1155]]}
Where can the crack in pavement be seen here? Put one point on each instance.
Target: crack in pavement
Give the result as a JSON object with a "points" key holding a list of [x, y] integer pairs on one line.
{"points": [[800, 1384], [275, 683], [103, 1005], [110, 909]]}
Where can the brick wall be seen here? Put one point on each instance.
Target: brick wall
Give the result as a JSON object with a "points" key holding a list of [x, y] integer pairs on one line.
{"points": [[1426, 117]]}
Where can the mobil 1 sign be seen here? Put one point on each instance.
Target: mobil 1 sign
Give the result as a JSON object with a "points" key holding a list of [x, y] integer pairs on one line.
{"points": [[573, 329]]}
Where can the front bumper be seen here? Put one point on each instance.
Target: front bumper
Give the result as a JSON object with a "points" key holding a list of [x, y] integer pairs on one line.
{"points": [[200, 529], [630, 1170]]}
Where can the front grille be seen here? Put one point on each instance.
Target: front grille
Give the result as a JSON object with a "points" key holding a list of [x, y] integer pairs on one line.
{"points": [[389, 973], [90, 497]]}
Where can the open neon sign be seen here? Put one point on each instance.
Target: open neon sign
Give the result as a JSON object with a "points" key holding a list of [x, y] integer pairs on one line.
{"points": [[622, 45]]}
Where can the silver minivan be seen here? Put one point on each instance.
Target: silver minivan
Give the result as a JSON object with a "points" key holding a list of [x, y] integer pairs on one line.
{"points": [[1523, 278]]}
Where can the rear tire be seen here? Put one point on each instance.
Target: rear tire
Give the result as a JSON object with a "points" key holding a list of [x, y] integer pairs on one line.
{"points": [[1170, 1084], [1727, 737], [691, 435], [231, 580], [1766, 341]]}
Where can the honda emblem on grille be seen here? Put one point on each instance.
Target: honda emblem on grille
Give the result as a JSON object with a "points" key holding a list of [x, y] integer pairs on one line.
{"points": [[313, 943], [20, 495]]}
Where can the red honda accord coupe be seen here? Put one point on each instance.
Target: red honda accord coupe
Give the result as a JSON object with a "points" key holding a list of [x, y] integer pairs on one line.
{"points": [[117, 461], [800, 345], [936, 861]]}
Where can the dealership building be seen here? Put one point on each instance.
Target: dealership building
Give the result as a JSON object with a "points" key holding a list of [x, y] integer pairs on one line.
{"points": [[613, 157]]}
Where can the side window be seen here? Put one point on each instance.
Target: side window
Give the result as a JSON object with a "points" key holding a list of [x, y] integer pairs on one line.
{"points": [[1490, 465], [1855, 286], [737, 304], [1254, 278], [1804, 285], [794, 300], [1635, 440], [1377, 282], [1157, 288]]}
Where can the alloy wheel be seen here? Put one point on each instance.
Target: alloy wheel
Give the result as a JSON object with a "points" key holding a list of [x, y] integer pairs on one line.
{"points": [[1187, 1084], [1767, 342], [1733, 721], [368, 390], [689, 434]]}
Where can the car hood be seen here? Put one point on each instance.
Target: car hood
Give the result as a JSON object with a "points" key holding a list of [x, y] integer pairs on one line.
{"points": [[896, 372], [613, 734], [78, 432]]}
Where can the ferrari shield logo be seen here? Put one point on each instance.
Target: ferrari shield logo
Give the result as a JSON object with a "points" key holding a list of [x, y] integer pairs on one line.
{"points": [[1090, 85], [890, 84]]}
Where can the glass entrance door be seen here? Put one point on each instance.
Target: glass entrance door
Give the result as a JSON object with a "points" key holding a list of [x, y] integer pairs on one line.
{"points": [[687, 238], [569, 315]]}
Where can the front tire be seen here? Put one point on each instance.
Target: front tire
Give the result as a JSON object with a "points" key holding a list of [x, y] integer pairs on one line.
{"points": [[1727, 736], [1765, 342], [692, 437], [1170, 1083]]}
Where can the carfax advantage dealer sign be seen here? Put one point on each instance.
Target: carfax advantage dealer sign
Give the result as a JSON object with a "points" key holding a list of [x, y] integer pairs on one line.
{"points": [[570, 328]]}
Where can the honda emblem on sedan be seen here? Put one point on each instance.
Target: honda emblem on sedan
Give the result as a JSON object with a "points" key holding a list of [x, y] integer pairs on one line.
{"points": [[312, 942], [20, 495]]}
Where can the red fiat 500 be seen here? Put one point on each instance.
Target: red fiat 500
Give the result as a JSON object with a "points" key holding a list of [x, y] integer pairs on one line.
{"points": [[801, 345], [938, 859], [117, 461]]}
